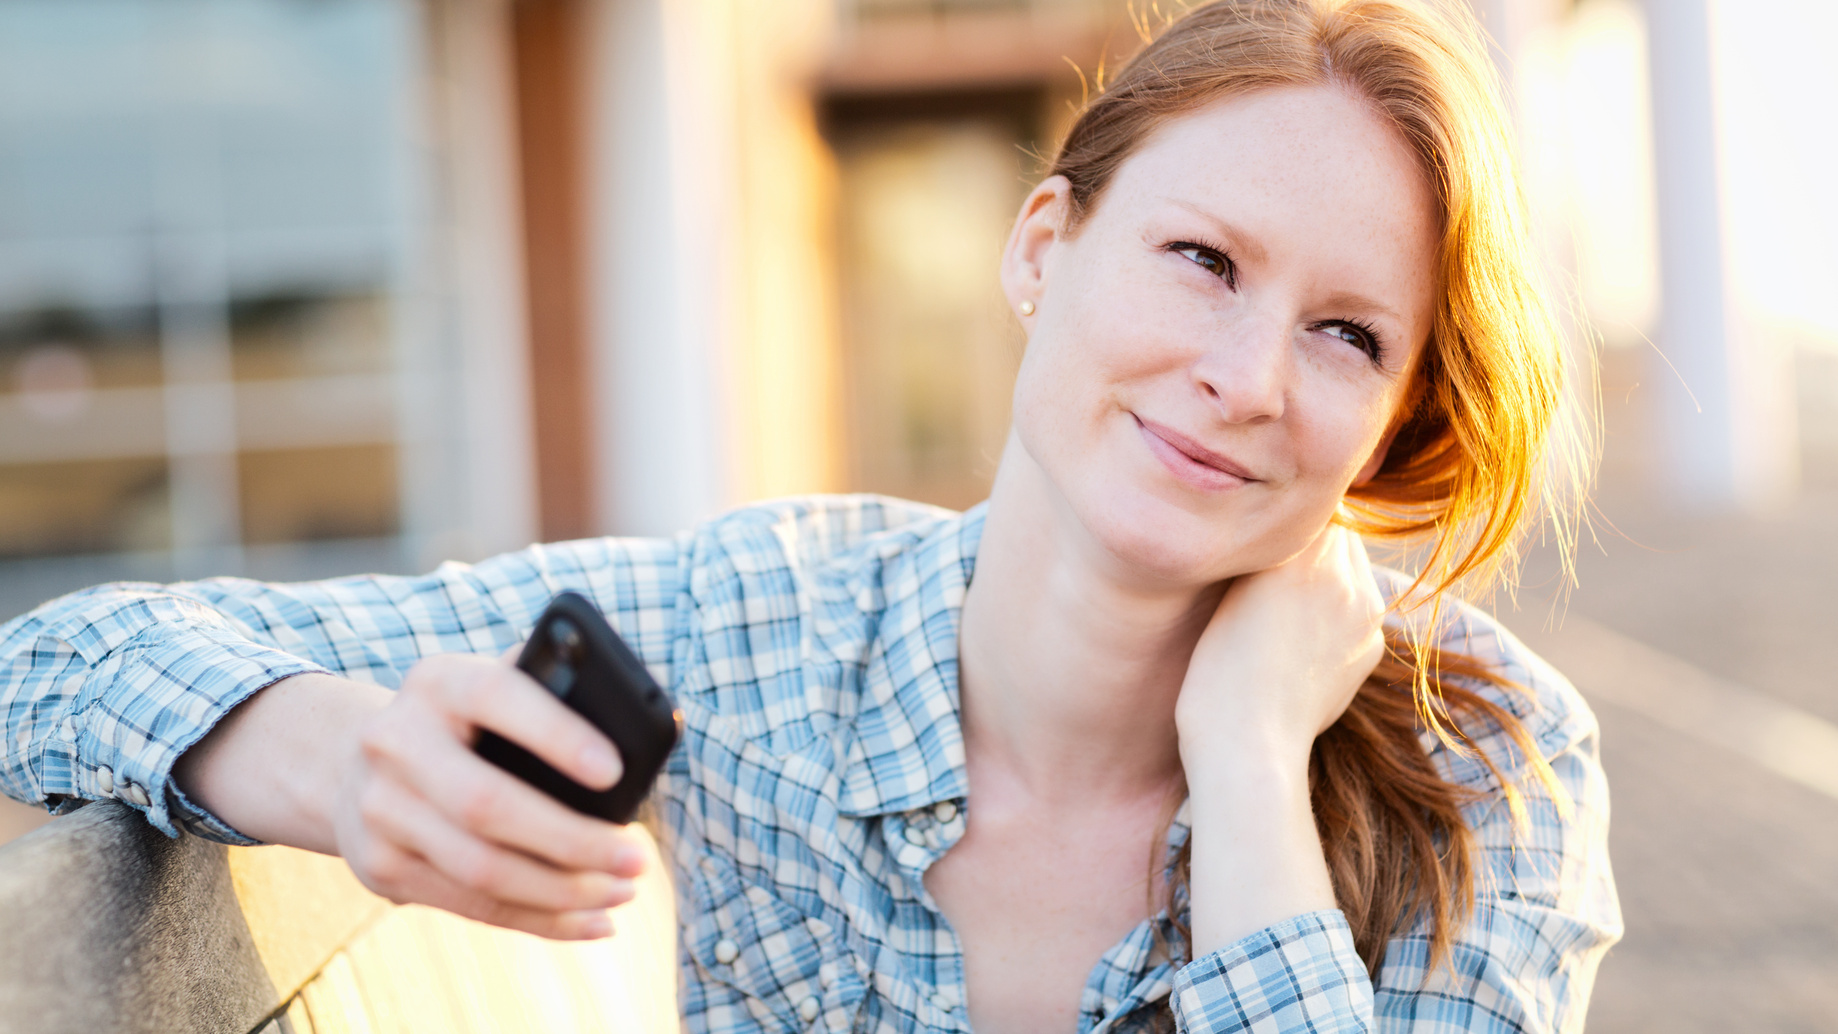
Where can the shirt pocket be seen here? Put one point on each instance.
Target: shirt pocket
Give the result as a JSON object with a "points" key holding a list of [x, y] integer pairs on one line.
{"points": [[793, 969]]}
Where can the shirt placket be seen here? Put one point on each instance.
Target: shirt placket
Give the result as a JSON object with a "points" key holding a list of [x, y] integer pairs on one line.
{"points": [[916, 838]]}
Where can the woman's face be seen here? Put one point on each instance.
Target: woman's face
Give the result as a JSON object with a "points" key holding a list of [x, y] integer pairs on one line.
{"points": [[1216, 354]]}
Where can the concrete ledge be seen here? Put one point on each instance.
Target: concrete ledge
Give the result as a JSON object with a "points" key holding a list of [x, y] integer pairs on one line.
{"points": [[112, 927]]}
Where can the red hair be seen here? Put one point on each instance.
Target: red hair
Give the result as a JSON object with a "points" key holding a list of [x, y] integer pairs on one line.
{"points": [[1481, 446]]}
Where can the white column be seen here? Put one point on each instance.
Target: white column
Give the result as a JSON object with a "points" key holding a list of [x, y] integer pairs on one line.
{"points": [[1725, 409], [663, 195], [192, 285], [467, 452], [200, 404]]}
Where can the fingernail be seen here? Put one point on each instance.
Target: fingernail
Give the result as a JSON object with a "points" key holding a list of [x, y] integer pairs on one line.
{"points": [[595, 923], [601, 764], [628, 859]]}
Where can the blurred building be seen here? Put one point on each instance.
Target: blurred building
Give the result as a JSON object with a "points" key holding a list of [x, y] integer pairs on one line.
{"points": [[295, 286], [259, 286], [292, 287]]}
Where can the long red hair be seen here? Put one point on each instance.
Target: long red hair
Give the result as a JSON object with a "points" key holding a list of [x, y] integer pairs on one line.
{"points": [[1482, 447]]}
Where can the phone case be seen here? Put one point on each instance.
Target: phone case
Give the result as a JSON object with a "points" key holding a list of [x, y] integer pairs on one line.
{"points": [[577, 656]]}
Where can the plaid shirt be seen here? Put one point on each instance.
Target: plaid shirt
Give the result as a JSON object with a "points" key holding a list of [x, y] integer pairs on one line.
{"points": [[813, 647]]}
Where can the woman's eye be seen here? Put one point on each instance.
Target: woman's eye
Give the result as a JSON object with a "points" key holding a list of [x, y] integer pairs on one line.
{"points": [[1358, 337], [1207, 259]]}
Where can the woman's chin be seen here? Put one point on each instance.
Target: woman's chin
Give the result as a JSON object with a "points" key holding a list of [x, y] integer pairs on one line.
{"points": [[1160, 543]]}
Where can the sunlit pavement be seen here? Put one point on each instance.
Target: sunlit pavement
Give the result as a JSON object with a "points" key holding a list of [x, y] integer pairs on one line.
{"points": [[1728, 870]]}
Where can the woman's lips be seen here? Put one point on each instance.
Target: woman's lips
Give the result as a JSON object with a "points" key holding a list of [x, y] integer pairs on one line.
{"points": [[1189, 461]]}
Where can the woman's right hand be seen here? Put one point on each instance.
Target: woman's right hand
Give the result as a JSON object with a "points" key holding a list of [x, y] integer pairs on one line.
{"points": [[421, 817], [391, 783]]}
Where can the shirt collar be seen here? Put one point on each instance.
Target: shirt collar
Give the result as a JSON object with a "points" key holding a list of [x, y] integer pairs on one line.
{"points": [[907, 745]]}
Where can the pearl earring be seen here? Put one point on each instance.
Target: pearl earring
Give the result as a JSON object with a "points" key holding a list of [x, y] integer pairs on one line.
{"points": [[1027, 308]]}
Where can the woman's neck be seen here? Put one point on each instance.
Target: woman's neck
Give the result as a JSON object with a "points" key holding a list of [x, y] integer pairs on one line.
{"points": [[1069, 669]]}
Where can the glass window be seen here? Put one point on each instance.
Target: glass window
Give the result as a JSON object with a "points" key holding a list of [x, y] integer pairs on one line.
{"points": [[205, 219]]}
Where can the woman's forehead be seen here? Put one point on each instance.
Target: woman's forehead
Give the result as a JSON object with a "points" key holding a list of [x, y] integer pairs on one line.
{"points": [[1319, 142]]}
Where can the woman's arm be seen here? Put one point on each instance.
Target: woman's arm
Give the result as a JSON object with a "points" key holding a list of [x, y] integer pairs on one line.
{"points": [[1545, 914], [1283, 656], [1271, 947], [104, 692]]}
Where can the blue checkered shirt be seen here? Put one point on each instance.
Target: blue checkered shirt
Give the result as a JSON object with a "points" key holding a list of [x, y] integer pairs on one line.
{"points": [[812, 644]]}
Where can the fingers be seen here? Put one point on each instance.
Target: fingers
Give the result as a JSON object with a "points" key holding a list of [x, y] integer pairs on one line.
{"points": [[404, 877], [479, 866], [1359, 565], [476, 796], [1326, 544], [423, 818], [489, 695]]}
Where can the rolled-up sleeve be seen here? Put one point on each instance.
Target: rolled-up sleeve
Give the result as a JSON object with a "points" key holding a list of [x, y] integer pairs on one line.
{"points": [[1302, 974], [101, 691]]}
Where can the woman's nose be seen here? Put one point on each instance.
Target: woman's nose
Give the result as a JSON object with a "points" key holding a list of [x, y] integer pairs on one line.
{"points": [[1246, 374]]}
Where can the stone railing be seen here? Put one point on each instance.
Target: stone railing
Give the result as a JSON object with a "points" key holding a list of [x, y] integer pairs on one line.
{"points": [[108, 926]]}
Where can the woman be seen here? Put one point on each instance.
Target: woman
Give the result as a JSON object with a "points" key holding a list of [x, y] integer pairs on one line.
{"points": [[1158, 761]]}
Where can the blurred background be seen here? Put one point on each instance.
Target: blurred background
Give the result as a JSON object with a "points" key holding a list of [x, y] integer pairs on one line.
{"points": [[296, 288]]}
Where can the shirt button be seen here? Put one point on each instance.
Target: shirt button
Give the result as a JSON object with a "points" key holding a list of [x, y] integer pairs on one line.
{"points": [[726, 951], [826, 975], [913, 835], [135, 794], [105, 779], [809, 1008], [758, 896], [945, 810], [944, 999]]}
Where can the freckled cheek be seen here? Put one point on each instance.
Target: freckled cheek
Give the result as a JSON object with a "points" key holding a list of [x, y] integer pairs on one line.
{"points": [[1073, 362], [1110, 314], [1049, 399], [1332, 446]]}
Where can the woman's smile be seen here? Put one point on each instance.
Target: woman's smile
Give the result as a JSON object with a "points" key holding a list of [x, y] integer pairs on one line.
{"points": [[1191, 463]]}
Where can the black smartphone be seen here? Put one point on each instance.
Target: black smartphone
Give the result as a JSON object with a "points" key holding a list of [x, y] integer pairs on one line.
{"points": [[577, 656]]}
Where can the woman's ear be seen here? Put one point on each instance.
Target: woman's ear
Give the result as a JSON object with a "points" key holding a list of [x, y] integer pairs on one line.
{"points": [[1037, 229]]}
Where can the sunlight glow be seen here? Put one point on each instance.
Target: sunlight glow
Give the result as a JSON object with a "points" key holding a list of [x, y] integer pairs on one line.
{"points": [[1776, 90]]}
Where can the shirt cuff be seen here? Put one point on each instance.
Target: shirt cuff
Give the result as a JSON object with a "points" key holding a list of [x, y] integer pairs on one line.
{"points": [[163, 696], [1302, 974]]}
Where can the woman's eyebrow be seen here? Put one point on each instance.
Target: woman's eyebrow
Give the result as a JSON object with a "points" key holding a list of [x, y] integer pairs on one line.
{"points": [[1245, 245], [1347, 300]]}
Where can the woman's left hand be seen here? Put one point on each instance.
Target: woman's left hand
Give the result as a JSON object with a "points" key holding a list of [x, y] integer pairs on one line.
{"points": [[1283, 656], [1285, 652]]}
